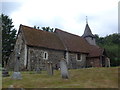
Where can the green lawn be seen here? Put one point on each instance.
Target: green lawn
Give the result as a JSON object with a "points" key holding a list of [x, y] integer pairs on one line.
{"points": [[79, 78]]}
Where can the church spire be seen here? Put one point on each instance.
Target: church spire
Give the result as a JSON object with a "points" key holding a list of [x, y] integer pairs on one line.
{"points": [[88, 34]]}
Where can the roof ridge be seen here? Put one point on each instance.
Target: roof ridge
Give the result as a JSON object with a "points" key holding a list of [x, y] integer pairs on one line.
{"points": [[34, 28], [67, 32]]}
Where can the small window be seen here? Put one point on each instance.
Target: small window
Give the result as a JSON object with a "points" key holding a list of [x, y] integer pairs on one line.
{"points": [[45, 55], [78, 56]]}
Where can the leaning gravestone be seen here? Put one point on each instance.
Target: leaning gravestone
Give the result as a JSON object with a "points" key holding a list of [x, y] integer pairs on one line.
{"points": [[17, 74], [49, 68], [64, 69]]}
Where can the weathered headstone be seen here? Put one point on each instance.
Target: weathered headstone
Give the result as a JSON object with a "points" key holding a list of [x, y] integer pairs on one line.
{"points": [[5, 72], [49, 68], [64, 69], [37, 69], [17, 74]]}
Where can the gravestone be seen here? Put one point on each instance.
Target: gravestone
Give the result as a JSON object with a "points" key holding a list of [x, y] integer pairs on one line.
{"points": [[5, 73], [49, 68], [37, 69], [17, 74], [64, 69]]}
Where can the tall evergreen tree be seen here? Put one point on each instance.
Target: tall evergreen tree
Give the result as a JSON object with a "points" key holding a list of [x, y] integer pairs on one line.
{"points": [[8, 37]]}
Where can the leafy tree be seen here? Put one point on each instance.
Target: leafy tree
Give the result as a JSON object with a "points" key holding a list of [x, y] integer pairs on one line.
{"points": [[47, 29], [99, 40], [8, 37], [36, 27], [112, 45]]}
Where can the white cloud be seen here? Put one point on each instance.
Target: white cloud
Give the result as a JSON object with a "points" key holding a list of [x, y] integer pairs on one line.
{"points": [[69, 14]]}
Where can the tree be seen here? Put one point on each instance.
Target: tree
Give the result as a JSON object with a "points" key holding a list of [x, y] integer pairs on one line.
{"points": [[8, 37], [47, 29], [111, 43], [36, 27]]}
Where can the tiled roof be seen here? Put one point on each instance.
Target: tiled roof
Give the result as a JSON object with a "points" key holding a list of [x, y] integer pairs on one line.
{"points": [[95, 51], [87, 32], [40, 38], [73, 42], [59, 40]]}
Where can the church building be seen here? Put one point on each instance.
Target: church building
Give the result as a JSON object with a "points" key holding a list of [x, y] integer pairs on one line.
{"points": [[36, 47]]}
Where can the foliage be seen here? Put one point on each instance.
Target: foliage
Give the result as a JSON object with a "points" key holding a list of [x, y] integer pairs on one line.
{"points": [[111, 44], [36, 27], [8, 37], [47, 29]]}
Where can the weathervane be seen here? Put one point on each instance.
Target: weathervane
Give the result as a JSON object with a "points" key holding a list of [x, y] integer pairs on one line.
{"points": [[86, 20]]}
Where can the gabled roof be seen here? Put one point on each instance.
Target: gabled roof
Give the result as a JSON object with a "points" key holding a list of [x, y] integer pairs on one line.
{"points": [[95, 51], [73, 42], [40, 38], [59, 40], [87, 32]]}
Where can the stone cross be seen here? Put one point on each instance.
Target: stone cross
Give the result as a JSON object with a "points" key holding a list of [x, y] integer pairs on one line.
{"points": [[64, 69], [49, 68], [17, 74]]}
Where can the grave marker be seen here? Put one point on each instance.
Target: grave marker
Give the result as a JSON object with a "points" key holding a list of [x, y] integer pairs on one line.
{"points": [[5, 73], [64, 69], [49, 68], [17, 74], [38, 70]]}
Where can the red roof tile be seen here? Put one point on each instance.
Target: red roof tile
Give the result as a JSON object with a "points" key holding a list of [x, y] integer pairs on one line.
{"points": [[40, 38], [59, 40], [73, 42], [95, 51]]}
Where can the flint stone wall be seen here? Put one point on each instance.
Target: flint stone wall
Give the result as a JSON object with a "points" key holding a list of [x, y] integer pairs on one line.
{"points": [[91, 40], [20, 47], [35, 57], [74, 63], [94, 62]]}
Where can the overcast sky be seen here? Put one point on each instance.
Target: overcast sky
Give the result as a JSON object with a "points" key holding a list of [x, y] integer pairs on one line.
{"points": [[68, 15]]}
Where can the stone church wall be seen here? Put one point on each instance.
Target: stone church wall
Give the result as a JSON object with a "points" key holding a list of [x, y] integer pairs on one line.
{"points": [[36, 59], [74, 63], [91, 40], [18, 48], [93, 62]]}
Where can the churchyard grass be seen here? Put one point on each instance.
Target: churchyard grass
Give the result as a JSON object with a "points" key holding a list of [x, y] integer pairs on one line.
{"points": [[79, 78], [0, 76]]}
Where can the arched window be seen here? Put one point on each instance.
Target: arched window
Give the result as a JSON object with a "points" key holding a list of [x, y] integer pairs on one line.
{"points": [[45, 55], [78, 57]]}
